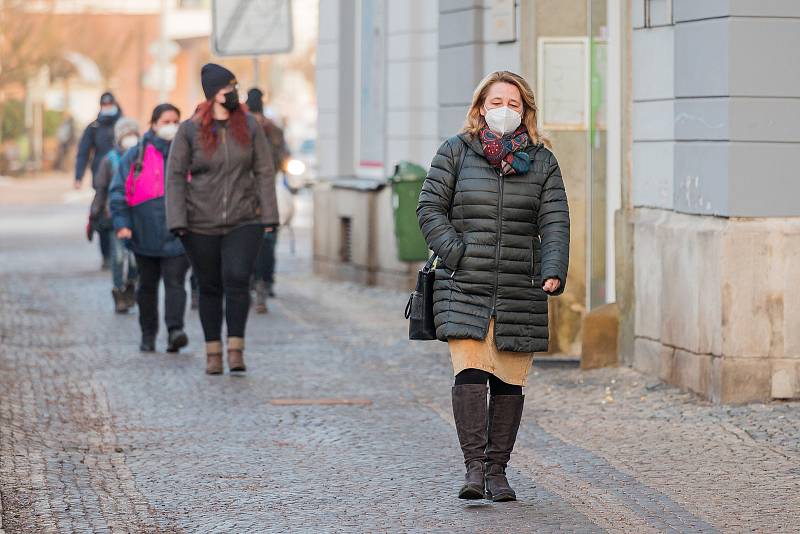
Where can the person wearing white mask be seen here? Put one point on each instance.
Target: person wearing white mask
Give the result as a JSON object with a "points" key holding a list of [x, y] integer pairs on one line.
{"points": [[123, 265], [138, 214], [494, 210]]}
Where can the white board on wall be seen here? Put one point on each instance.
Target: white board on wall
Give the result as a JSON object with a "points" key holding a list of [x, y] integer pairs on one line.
{"points": [[562, 82], [502, 21]]}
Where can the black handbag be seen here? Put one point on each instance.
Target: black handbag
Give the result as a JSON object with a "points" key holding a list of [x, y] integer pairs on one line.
{"points": [[419, 309]]}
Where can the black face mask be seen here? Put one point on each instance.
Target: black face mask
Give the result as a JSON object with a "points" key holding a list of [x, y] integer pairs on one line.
{"points": [[231, 100]]}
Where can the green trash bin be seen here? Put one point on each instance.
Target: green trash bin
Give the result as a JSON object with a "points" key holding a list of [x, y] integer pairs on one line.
{"points": [[406, 186]]}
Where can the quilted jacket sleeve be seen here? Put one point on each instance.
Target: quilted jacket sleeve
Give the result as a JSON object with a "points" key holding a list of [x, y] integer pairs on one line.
{"points": [[554, 227], [434, 205]]}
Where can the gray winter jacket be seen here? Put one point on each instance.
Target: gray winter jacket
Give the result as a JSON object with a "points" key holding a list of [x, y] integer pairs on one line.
{"points": [[503, 238], [233, 187]]}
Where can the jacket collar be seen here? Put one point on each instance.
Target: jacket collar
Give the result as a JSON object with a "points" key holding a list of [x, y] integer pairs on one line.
{"points": [[160, 144], [472, 142]]}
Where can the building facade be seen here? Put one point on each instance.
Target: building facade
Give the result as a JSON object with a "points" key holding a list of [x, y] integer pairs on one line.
{"points": [[716, 150], [673, 122]]}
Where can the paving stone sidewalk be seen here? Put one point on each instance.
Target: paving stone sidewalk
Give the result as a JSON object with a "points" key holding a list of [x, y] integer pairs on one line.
{"points": [[96, 437]]}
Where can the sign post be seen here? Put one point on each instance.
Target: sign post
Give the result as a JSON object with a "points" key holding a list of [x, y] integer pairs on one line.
{"points": [[251, 27]]}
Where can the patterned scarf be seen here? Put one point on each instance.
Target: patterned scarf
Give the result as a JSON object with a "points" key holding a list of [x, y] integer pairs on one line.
{"points": [[507, 153]]}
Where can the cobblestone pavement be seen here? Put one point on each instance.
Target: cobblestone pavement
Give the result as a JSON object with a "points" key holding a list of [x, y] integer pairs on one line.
{"points": [[96, 437]]}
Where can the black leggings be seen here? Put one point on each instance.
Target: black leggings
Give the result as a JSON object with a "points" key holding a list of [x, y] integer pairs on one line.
{"points": [[223, 265], [496, 386], [151, 271]]}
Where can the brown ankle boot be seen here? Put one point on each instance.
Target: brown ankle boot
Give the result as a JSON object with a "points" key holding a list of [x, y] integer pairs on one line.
{"points": [[236, 354], [214, 358]]}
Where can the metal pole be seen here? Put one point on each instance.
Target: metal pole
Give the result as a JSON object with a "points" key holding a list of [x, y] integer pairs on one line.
{"points": [[256, 69]]}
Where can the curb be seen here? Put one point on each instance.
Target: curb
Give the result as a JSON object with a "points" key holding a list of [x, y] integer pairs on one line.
{"points": [[556, 362]]}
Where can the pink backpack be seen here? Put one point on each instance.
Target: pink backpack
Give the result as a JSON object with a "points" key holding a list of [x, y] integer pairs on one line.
{"points": [[146, 178]]}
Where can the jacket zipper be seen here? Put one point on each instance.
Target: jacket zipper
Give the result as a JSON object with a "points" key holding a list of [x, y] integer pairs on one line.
{"points": [[497, 245], [225, 179]]}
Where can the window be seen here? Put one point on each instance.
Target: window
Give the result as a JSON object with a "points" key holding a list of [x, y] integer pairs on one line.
{"points": [[345, 240]]}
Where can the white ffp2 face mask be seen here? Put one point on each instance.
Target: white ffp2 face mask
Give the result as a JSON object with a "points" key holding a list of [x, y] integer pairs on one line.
{"points": [[129, 141], [167, 132], [503, 120]]}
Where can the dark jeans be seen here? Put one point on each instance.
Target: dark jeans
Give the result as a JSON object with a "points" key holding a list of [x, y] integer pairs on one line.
{"points": [[223, 265], [120, 258], [105, 237], [265, 262], [173, 272]]}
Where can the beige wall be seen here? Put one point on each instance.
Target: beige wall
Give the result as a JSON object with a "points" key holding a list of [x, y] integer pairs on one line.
{"points": [[373, 245], [717, 304]]}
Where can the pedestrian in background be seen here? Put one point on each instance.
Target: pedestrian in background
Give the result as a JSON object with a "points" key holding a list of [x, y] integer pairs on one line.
{"points": [[494, 209], [97, 140], [221, 200], [123, 264], [66, 138], [138, 211], [265, 261]]}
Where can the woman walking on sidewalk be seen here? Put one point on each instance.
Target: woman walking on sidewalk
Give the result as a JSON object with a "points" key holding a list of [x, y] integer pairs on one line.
{"points": [[221, 200], [126, 135], [138, 213], [494, 209]]}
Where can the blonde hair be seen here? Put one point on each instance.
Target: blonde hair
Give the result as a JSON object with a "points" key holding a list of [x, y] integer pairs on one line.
{"points": [[475, 121]]}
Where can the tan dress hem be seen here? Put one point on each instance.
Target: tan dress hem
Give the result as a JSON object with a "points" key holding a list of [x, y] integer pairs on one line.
{"points": [[510, 367]]}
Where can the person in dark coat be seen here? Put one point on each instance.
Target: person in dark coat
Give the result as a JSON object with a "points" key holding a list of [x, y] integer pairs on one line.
{"points": [[139, 215], [265, 261], [221, 200], [494, 209], [97, 140]]}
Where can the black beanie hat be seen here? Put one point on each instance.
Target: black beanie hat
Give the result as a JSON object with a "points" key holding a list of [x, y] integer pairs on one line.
{"points": [[215, 77], [107, 98], [254, 103]]}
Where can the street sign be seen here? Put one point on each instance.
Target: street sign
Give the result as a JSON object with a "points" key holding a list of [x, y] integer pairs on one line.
{"points": [[251, 27]]}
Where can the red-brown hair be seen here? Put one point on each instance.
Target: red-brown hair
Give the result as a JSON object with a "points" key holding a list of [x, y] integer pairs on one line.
{"points": [[237, 126]]}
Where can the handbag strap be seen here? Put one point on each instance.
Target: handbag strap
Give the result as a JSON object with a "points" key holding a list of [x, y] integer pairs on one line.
{"points": [[432, 259], [461, 159]]}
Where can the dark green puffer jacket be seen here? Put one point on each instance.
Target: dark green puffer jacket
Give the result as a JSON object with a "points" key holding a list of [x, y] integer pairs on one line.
{"points": [[505, 236]]}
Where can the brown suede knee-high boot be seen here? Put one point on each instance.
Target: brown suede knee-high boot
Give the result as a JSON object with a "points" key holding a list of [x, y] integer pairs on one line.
{"points": [[469, 411], [505, 414]]}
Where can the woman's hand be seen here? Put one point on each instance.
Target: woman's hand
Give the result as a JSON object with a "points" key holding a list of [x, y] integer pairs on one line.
{"points": [[124, 233], [551, 285]]}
